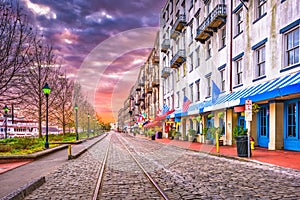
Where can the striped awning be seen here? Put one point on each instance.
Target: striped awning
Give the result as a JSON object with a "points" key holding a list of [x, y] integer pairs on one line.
{"points": [[278, 87]]}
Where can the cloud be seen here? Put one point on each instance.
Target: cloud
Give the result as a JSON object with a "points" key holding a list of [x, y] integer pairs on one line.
{"points": [[76, 28]]}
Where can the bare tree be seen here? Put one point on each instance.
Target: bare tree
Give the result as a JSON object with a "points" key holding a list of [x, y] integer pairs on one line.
{"points": [[63, 111], [15, 38], [41, 69]]}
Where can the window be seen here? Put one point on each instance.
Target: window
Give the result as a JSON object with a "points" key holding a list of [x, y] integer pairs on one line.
{"points": [[222, 72], [197, 57], [239, 21], [192, 36], [208, 48], [263, 120], [291, 119], [178, 98], [191, 62], [239, 72], [192, 93], [183, 91], [292, 47], [261, 8], [223, 38], [184, 69], [208, 7], [208, 79], [198, 90], [260, 61]]}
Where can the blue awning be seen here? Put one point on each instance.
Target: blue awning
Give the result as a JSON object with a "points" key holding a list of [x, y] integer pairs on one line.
{"points": [[278, 87]]}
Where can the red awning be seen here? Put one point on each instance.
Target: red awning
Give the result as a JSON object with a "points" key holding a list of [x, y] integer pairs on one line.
{"points": [[239, 108], [153, 124], [162, 117]]}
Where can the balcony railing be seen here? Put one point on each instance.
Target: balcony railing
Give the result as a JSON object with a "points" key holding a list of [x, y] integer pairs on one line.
{"points": [[178, 26], [165, 72], [178, 59], [155, 59], [165, 45], [215, 20], [155, 82], [179, 23]]}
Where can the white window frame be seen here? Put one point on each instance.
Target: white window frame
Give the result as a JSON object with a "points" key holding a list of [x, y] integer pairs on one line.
{"points": [[197, 64], [192, 92], [261, 8], [198, 91], [294, 48], [260, 58], [208, 49], [223, 37], [208, 79], [191, 62], [239, 21], [222, 73], [239, 71]]}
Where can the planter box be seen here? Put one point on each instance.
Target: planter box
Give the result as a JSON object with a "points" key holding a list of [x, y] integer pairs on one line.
{"points": [[191, 138]]}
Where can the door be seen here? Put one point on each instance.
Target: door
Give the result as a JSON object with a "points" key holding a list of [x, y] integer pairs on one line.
{"points": [[263, 126], [291, 129]]}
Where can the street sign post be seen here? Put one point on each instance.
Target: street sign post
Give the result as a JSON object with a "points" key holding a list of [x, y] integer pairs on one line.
{"points": [[248, 118]]}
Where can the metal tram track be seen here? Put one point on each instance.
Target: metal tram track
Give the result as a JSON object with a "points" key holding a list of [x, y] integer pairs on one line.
{"points": [[103, 167]]}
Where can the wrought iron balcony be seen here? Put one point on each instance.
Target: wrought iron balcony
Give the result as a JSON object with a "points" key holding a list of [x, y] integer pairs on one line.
{"points": [[138, 89], [178, 59], [165, 45], [174, 34], [178, 26], [165, 72], [155, 82], [179, 23], [155, 59], [215, 20]]}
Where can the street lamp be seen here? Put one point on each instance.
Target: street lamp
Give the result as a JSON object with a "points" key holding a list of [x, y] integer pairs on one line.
{"points": [[88, 131], [76, 129], [5, 118], [46, 91]]}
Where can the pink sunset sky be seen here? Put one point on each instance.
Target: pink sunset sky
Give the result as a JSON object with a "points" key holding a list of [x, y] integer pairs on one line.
{"points": [[100, 43]]}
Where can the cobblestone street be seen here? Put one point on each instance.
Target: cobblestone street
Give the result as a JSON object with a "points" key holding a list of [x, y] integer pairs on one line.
{"points": [[180, 173]]}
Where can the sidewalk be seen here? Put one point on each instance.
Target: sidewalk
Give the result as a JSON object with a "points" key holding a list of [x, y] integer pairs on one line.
{"points": [[24, 176], [282, 158], [20, 160]]}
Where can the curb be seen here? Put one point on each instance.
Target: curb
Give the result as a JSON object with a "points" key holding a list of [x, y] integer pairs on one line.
{"points": [[34, 155], [85, 149], [23, 191], [242, 159]]}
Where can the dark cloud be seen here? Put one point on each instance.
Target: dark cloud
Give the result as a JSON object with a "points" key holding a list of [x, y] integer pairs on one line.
{"points": [[75, 27]]}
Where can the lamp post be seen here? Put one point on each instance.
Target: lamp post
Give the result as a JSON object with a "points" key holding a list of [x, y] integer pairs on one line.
{"points": [[88, 131], [76, 129], [46, 91], [5, 118]]}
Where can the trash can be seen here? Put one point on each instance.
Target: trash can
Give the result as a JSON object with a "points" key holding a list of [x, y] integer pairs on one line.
{"points": [[159, 135], [242, 145], [153, 137]]}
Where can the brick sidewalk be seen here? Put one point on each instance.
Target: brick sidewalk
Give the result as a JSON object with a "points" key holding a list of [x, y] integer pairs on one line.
{"points": [[283, 158]]}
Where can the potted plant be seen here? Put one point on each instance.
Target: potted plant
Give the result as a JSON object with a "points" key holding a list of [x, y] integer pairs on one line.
{"points": [[241, 138], [255, 108], [210, 115], [191, 135], [176, 135], [171, 134], [221, 115]]}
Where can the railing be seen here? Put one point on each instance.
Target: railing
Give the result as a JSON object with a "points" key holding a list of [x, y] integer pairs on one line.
{"points": [[165, 72], [220, 9], [165, 45], [178, 58]]}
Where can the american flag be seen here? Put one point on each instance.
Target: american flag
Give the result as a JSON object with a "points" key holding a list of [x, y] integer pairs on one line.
{"points": [[165, 108], [186, 104]]}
